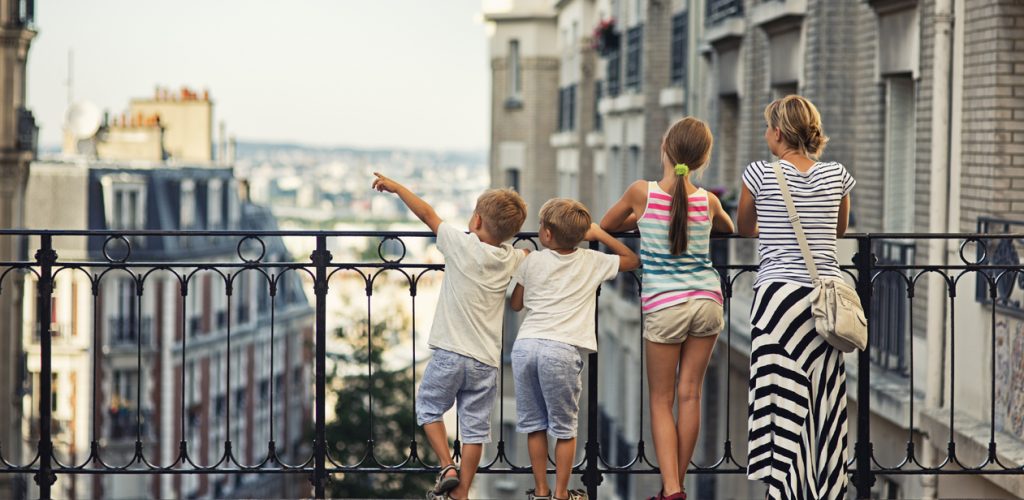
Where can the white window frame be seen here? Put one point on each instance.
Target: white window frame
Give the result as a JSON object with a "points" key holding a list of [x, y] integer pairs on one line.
{"points": [[214, 203], [515, 77], [117, 189], [188, 204]]}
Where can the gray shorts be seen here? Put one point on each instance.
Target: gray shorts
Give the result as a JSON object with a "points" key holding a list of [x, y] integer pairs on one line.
{"points": [[452, 377], [548, 385]]}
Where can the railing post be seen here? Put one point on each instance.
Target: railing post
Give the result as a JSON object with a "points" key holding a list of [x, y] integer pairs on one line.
{"points": [[320, 258], [45, 257], [864, 478], [592, 476]]}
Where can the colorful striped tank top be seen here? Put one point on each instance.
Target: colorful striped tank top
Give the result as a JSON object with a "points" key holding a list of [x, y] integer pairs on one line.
{"points": [[673, 279]]}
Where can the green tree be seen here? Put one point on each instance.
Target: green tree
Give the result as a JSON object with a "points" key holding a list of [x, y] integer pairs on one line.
{"points": [[394, 418]]}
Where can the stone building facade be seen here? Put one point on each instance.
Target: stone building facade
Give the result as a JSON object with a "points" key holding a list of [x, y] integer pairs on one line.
{"points": [[18, 134]]}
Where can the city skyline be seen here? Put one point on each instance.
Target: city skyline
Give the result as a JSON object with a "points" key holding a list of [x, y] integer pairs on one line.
{"points": [[402, 68]]}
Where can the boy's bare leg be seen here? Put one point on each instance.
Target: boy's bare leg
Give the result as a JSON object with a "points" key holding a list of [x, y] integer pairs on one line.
{"points": [[537, 443], [470, 461], [565, 452], [437, 436]]}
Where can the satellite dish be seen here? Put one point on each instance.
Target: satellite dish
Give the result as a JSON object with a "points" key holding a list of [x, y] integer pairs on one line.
{"points": [[83, 119]]}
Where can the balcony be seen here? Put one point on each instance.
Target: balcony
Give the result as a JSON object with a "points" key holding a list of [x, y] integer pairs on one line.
{"points": [[720, 10], [127, 332], [984, 260], [22, 12], [125, 423]]}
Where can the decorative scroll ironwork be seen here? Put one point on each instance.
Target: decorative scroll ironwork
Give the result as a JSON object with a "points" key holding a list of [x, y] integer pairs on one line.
{"points": [[879, 274]]}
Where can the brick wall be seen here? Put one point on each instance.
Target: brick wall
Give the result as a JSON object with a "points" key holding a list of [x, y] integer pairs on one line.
{"points": [[532, 123], [656, 67], [992, 167], [868, 129]]}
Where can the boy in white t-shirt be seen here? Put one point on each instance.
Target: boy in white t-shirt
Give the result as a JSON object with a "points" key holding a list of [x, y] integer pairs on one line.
{"points": [[558, 288], [466, 333]]}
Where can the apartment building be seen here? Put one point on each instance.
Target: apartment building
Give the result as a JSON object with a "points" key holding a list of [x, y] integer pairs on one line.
{"points": [[146, 358], [923, 102]]}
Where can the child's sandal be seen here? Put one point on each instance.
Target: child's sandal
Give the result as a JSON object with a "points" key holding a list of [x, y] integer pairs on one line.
{"points": [[446, 483]]}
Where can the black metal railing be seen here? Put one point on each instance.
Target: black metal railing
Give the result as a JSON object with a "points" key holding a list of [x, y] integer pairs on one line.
{"points": [[321, 268], [890, 306]]}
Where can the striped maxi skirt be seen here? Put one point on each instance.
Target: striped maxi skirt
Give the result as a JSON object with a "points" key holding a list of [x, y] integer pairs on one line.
{"points": [[797, 412]]}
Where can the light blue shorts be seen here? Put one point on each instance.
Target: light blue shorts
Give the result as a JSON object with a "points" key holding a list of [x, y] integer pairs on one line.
{"points": [[548, 385], [452, 377]]}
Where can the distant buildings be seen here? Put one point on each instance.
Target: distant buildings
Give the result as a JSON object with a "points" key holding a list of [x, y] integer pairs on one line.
{"points": [[120, 359]]}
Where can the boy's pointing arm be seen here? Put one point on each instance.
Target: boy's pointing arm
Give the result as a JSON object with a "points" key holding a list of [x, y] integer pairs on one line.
{"points": [[422, 209]]}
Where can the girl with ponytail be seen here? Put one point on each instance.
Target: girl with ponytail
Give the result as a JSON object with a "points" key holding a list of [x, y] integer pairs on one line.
{"points": [[682, 294]]}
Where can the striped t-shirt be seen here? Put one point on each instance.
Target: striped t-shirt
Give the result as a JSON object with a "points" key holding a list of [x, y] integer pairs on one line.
{"points": [[816, 194], [673, 279]]}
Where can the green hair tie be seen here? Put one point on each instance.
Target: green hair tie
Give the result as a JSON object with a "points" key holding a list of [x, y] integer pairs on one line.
{"points": [[682, 169]]}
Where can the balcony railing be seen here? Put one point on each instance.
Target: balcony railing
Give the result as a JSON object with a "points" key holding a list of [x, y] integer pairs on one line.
{"points": [[126, 331], [866, 270], [719, 10]]}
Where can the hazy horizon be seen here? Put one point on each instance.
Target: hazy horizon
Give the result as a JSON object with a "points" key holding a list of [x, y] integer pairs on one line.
{"points": [[390, 74]]}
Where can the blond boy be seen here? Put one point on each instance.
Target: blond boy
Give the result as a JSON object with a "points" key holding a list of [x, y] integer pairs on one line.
{"points": [[466, 333], [558, 288]]}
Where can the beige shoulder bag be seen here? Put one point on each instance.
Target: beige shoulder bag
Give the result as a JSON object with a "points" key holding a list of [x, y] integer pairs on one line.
{"points": [[835, 305]]}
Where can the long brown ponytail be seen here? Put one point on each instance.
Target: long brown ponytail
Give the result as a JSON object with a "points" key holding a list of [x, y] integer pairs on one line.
{"points": [[688, 141]]}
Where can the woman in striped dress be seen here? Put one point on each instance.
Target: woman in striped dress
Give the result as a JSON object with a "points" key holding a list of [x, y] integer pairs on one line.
{"points": [[682, 295], [797, 413]]}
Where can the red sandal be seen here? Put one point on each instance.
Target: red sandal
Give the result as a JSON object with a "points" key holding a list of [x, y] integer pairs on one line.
{"points": [[675, 496]]}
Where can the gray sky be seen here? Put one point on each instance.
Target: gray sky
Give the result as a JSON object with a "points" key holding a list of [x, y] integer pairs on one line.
{"points": [[406, 73]]}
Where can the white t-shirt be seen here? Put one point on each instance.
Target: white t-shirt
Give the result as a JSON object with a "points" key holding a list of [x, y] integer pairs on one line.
{"points": [[472, 300], [560, 294], [816, 194]]}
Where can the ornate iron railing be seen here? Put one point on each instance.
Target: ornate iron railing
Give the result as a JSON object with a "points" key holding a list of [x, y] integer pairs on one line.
{"points": [[321, 267]]}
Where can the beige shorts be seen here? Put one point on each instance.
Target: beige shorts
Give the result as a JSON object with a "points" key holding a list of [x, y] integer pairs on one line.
{"points": [[672, 325]]}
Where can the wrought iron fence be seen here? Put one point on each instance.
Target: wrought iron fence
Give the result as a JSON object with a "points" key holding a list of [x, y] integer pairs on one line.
{"points": [[319, 269]]}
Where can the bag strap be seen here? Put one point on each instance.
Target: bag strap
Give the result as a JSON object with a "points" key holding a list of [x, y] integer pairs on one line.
{"points": [[794, 218]]}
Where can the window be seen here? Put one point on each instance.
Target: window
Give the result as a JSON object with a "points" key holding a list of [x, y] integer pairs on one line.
{"points": [[614, 71], [900, 163], [54, 393], [634, 170], [188, 204], [727, 138], [784, 89], [719, 10], [634, 51], [568, 173], [615, 165], [125, 388], [680, 32], [515, 82], [601, 194], [567, 108], [512, 178], [598, 94], [123, 325], [124, 201], [214, 204], [234, 205]]}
